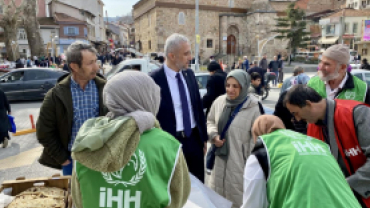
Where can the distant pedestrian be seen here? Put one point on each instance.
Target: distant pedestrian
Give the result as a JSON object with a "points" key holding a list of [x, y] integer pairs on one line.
{"points": [[261, 72], [274, 67], [281, 70], [279, 56], [215, 85], [263, 63], [365, 64], [76, 98], [4, 121], [245, 65]]}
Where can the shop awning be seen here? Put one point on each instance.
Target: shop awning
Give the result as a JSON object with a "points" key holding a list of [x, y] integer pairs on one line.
{"points": [[325, 40]]}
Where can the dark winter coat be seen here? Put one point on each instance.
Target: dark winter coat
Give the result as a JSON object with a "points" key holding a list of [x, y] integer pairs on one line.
{"points": [[215, 88], [54, 126], [4, 110]]}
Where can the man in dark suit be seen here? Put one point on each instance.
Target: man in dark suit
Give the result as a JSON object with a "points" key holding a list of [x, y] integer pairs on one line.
{"points": [[215, 85], [181, 110], [261, 72]]}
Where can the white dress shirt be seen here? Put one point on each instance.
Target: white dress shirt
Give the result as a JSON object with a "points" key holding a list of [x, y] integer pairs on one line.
{"points": [[254, 189], [175, 95], [330, 94]]}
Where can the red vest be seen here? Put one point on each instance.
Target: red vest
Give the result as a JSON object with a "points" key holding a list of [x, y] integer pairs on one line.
{"points": [[345, 135]]}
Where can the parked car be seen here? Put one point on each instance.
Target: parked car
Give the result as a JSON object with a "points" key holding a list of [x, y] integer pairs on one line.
{"points": [[143, 65], [362, 74], [202, 79], [29, 83]]}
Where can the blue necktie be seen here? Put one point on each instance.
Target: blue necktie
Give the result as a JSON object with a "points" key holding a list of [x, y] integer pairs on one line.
{"points": [[184, 106]]}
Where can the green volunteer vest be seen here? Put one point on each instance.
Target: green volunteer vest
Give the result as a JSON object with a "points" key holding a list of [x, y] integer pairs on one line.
{"points": [[143, 182], [303, 173], [358, 93]]}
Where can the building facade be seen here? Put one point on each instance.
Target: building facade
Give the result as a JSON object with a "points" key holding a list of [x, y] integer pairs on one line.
{"points": [[228, 28]]}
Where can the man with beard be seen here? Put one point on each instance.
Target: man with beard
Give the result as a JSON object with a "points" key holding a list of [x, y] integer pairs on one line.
{"points": [[181, 110], [77, 97], [334, 81]]}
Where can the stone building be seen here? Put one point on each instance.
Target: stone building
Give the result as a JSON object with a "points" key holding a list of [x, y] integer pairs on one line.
{"points": [[229, 29]]}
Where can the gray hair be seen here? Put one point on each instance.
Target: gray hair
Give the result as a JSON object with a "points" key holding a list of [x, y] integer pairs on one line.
{"points": [[74, 54], [173, 43], [297, 70]]}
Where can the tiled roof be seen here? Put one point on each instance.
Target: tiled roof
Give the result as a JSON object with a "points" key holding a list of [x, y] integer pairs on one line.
{"points": [[350, 13], [61, 17]]}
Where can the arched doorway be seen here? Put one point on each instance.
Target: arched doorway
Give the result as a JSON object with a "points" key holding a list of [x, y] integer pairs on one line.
{"points": [[231, 44]]}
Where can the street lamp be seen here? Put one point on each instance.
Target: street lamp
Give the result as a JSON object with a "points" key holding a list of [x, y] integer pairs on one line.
{"points": [[52, 48]]}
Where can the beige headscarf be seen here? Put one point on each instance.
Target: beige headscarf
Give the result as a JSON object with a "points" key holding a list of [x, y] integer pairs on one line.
{"points": [[135, 94], [266, 124]]}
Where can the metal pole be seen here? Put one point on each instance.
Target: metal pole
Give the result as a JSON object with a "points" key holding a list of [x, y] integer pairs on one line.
{"points": [[196, 35], [52, 49]]}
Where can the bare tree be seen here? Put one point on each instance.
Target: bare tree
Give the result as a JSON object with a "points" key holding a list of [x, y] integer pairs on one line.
{"points": [[10, 23], [32, 28]]}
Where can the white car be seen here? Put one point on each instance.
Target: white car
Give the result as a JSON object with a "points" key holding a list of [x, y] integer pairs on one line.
{"points": [[363, 74], [143, 65], [202, 79]]}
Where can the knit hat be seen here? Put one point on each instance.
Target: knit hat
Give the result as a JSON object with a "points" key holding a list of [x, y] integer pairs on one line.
{"points": [[135, 94], [339, 53], [213, 66]]}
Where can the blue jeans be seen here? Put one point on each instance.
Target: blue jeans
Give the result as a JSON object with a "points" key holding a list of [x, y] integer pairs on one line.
{"points": [[275, 81], [67, 169]]}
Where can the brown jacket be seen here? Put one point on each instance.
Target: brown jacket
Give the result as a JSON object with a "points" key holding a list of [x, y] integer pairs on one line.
{"points": [[54, 126]]}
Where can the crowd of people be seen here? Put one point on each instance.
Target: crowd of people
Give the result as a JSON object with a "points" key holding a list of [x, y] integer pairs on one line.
{"points": [[136, 138]]}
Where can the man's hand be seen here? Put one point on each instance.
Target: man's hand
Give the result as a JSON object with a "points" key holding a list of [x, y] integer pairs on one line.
{"points": [[218, 142], [67, 162]]}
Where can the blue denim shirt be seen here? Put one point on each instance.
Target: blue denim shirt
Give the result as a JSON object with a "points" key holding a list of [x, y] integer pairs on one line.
{"points": [[85, 106]]}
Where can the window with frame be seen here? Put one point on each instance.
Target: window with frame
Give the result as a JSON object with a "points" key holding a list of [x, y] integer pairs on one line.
{"points": [[149, 20], [364, 51], [346, 28], [209, 43], [149, 44], [71, 31], [355, 4], [354, 29], [330, 29], [22, 34], [364, 4], [181, 18]]}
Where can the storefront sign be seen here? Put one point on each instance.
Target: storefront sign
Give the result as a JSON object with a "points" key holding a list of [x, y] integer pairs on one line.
{"points": [[366, 36]]}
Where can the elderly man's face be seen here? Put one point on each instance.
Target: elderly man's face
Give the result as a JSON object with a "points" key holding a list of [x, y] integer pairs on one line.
{"points": [[275, 58], [183, 56], [329, 69]]}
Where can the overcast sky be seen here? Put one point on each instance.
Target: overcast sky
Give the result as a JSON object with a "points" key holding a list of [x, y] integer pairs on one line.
{"points": [[118, 7]]}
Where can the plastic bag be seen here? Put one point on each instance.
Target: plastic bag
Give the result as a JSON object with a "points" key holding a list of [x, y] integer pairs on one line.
{"points": [[12, 126]]}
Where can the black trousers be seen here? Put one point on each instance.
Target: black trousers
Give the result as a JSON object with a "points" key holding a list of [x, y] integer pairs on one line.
{"points": [[192, 148]]}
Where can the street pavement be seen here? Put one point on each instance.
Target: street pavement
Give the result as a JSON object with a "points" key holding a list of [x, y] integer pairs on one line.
{"points": [[20, 158]]}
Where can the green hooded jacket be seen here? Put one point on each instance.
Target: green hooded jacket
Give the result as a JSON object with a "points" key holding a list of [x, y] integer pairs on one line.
{"points": [[107, 145]]}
